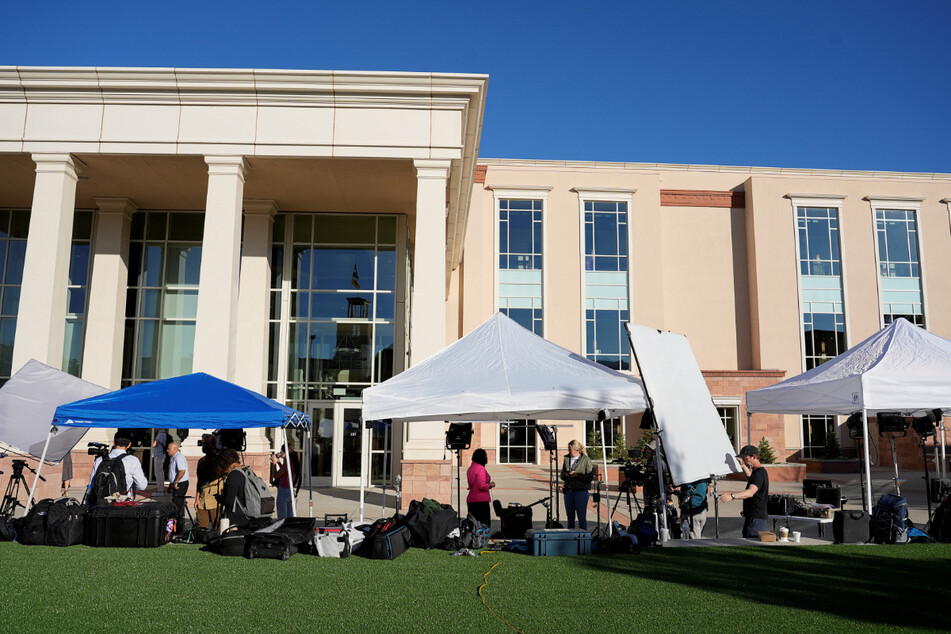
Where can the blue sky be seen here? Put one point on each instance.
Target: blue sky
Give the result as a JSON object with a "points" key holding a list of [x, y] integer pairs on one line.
{"points": [[834, 84]]}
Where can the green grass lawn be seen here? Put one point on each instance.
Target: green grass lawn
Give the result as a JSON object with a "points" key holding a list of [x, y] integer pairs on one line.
{"points": [[178, 588]]}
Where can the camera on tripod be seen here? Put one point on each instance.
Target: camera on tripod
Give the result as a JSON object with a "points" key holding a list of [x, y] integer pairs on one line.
{"points": [[634, 472], [98, 449], [18, 467]]}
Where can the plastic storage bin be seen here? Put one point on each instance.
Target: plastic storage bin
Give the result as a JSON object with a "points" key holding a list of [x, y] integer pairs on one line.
{"points": [[554, 542], [145, 526]]}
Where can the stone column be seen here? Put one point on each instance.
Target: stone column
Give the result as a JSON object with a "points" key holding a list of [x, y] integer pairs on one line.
{"points": [[41, 320], [216, 324], [424, 470], [105, 317], [254, 289]]}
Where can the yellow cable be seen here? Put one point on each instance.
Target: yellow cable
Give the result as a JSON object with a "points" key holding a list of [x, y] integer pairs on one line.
{"points": [[485, 582]]}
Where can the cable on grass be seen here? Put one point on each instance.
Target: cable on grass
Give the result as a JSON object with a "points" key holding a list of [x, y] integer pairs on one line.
{"points": [[485, 582]]}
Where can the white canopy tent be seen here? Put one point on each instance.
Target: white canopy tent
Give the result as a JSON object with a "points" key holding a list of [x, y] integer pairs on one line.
{"points": [[498, 372], [900, 368]]}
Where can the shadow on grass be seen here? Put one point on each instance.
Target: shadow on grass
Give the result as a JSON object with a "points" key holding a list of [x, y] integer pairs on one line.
{"points": [[891, 585]]}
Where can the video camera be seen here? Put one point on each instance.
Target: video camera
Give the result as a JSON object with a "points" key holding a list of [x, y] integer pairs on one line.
{"points": [[634, 472], [97, 449]]}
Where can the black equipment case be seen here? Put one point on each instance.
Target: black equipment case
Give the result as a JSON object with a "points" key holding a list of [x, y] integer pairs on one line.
{"points": [[54, 523], [516, 519], [145, 525], [233, 542], [281, 539], [850, 527]]}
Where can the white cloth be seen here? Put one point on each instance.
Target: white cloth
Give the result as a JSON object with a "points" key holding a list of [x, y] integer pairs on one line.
{"points": [[176, 464], [134, 476]]}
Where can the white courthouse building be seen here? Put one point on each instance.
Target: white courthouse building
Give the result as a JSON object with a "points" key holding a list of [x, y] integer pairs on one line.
{"points": [[306, 234]]}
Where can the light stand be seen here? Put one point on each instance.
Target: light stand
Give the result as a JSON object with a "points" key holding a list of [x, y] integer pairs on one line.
{"points": [[893, 425], [854, 424], [550, 444], [716, 505], [459, 437], [924, 426]]}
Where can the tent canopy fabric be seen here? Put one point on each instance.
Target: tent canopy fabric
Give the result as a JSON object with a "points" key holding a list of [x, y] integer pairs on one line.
{"points": [[27, 402], [194, 401], [900, 368], [501, 371]]}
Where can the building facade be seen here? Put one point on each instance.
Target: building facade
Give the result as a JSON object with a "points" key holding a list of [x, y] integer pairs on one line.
{"points": [[308, 234]]}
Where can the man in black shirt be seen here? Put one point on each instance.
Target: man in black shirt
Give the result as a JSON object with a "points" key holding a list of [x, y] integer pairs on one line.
{"points": [[756, 492]]}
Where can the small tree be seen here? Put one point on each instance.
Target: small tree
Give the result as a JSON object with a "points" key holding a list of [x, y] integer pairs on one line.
{"points": [[832, 448], [766, 455], [641, 445], [593, 448], [619, 451]]}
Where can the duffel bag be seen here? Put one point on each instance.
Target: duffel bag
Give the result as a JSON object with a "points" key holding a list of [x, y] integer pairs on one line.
{"points": [[430, 528]]}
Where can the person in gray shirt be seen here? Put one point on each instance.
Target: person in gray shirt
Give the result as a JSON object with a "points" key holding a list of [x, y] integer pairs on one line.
{"points": [[177, 477]]}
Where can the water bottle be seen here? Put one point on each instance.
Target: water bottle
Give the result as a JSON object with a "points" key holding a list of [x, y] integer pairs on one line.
{"points": [[685, 530]]}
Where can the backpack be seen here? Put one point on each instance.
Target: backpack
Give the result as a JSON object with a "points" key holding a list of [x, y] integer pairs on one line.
{"points": [[890, 520], [694, 499], [258, 501], [109, 479]]}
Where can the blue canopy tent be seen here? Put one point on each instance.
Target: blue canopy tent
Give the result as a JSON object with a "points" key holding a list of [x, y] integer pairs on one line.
{"points": [[194, 401]]}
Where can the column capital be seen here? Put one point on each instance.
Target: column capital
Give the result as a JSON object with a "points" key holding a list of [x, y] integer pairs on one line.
{"points": [[432, 168], [122, 206], [58, 164], [227, 165], [260, 207]]}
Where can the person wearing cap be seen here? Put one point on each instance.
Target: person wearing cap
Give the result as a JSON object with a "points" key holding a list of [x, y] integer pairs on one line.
{"points": [[756, 493]]}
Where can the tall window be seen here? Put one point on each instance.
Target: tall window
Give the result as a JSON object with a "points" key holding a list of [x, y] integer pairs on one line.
{"points": [[606, 283], [333, 291], [899, 266], [520, 261], [729, 418], [162, 299], [823, 313], [517, 442], [76, 293], [14, 226], [613, 429]]}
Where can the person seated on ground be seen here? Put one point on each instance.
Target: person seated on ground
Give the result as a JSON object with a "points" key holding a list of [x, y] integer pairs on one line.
{"points": [[208, 483], [279, 478], [693, 506], [479, 499], [135, 479], [232, 498]]}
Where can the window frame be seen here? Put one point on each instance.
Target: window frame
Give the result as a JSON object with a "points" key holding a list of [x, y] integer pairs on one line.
{"points": [[898, 203]]}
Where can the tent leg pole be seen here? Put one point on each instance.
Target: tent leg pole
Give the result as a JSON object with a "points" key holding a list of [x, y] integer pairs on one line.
{"points": [[310, 470], [749, 429], [39, 467], [363, 453], [944, 471], [386, 441], [607, 492], [290, 472], [868, 467]]}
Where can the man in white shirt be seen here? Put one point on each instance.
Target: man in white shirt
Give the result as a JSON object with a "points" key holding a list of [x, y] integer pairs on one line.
{"points": [[158, 460], [177, 477], [135, 479]]}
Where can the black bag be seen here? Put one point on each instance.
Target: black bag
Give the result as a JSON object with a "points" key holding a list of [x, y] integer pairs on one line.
{"points": [[145, 525], [7, 531], [889, 520], [233, 542], [850, 527], [109, 479], [516, 519], [940, 527], [54, 523], [430, 529], [387, 538], [282, 539]]}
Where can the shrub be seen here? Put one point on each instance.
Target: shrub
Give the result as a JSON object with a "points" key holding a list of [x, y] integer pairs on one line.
{"points": [[766, 455], [832, 448]]}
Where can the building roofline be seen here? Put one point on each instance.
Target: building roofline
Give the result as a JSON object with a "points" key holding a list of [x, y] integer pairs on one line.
{"points": [[724, 169]]}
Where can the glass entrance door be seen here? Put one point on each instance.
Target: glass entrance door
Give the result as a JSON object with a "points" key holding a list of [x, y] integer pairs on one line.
{"points": [[321, 459], [348, 450]]}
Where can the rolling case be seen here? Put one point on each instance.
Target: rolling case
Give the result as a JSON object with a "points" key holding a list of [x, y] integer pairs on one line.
{"points": [[281, 539], [144, 525], [553, 542], [850, 527]]}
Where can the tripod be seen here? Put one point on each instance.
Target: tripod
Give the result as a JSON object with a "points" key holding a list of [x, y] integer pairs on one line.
{"points": [[10, 501], [625, 488]]}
